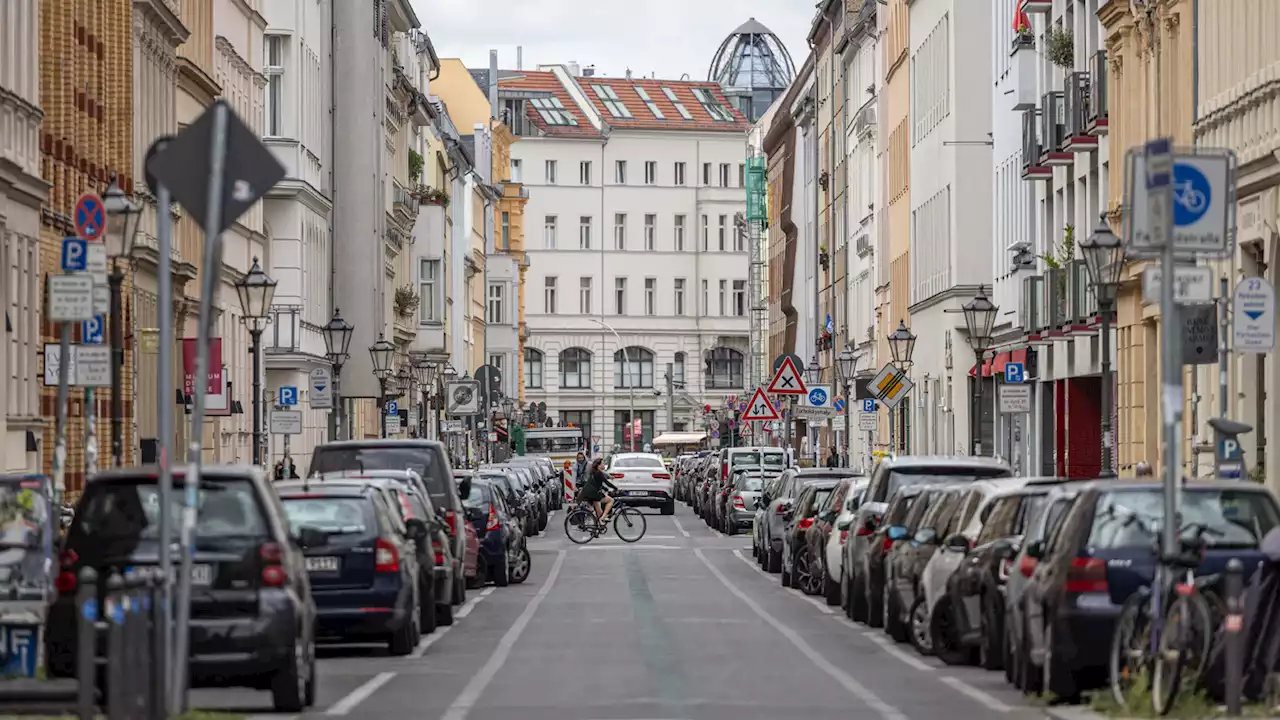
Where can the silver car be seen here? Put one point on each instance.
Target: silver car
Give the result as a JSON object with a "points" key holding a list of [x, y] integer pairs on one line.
{"points": [[740, 506], [642, 479]]}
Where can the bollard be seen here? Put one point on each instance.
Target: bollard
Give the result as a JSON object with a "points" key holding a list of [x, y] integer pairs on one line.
{"points": [[155, 590], [87, 644], [1234, 646], [137, 643], [117, 666]]}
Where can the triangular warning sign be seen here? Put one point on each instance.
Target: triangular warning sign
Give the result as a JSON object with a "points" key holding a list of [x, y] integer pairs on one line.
{"points": [[787, 380], [760, 408]]}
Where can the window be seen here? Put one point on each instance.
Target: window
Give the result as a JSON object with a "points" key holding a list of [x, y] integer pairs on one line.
{"points": [[584, 232], [506, 231], [619, 296], [706, 301], [611, 101], [724, 369], [428, 290], [723, 229], [517, 170], [273, 68], [532, 368], [496, 292], [677, 371], [671, 95], [575, 369], [578, 419], [679, 173], [623, 427], [724, 286], [649, 103], [549, 295], [650, 232], [724, 174], [679, 296], [650, 172], [549, 232], [739, 240], [739, 298], [496, 361], [705, 238], [551, 172], [633, 368], [584, 172], [742, 175], [620, 172], [650, 296], [620, 231], [706, 174], [584, 295], [679, 233], [552, 112], [712, 105]]}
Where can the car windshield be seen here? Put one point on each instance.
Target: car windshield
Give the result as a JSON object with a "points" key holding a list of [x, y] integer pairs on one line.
{"points": [[334, 515], [753, 459], [419, 458], [1230, 518], [549, 445], [939, 475], [121, 514], [627, 462], [480, 497]]}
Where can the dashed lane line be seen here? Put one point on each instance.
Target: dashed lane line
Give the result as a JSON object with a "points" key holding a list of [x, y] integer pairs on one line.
{"points": [[360, 694], [429, 640], [680, 527]]}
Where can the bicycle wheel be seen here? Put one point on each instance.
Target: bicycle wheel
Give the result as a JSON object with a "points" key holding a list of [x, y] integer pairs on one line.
{"points": [[1130, 644], [580, 526], [1172, 654], [629, 524]]}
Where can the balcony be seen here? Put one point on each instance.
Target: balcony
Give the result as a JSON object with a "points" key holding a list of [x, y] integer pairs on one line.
{"points": [[403, 202], [1053, 131], [1082, 307], [1032, 304], [1022, 72], [1096, 123], [1055, 300], [1037, 6], [1078, 102], [1032, 168]]}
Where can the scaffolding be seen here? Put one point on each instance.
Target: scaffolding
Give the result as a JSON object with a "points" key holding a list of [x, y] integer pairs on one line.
{"points": [[757, 221]]}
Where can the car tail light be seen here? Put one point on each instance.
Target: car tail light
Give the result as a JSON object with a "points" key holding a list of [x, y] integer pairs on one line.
{"points": [[615, 475], [844, 536], [385, 557], [1086, 575], [66, 580], [805, 524], [438, 549], [886, 545], [865, 529], [273, 573], [450, 522], [738, 503], [1005, 566], [781, 510], [1027, 566], [724, 470], [493, 519], [662, 476]]}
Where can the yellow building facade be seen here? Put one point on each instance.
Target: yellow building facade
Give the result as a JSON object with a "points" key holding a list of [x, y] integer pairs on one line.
{"points": [[893, 260]]}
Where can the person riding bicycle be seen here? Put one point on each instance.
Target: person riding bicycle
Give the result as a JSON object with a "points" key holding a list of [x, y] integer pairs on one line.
{"points": [[594, 489]]}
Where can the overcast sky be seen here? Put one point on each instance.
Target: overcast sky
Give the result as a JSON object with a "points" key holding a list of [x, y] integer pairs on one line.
{"points": [[669, 37]]}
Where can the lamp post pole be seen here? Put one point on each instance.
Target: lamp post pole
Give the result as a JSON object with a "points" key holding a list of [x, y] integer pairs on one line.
{"points": [[847, 365], [255, 347], [631, 386], [902, 345], [337, 346], [1104, 258], [115, 282], [382, 352], [980, 320], [256, 291]]}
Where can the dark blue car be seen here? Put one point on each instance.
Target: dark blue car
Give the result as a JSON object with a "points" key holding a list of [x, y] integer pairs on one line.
{"points": [[503, 550]]}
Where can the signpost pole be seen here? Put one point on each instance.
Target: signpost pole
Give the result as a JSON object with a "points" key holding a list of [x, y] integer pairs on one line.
{"points": [[1223, 321], [164, 416], [116, 282], [1159, 184], [60, 437]]}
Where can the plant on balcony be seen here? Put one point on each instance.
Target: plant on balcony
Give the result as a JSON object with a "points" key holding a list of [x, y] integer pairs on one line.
{"points": [[432, 196], [1025, 38], [415, 166], [406, 301], [824, 257], [1060, 46], [1066, 252]]}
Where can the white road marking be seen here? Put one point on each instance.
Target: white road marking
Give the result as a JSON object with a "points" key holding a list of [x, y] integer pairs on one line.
{"points": [[890, 647], [715, 532], [647, 536], [360, 694], [750, 564], [976, 694], [476, 687], [487, 591], [854, 687], [636, 546], [820, 604], [428, 641], [680, 527]]}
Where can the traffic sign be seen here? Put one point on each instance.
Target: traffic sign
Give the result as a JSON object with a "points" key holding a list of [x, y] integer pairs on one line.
{"points": [[838, 404], [1014, 372], [462, 397], [70, 298], [286, 422], [787, 380], [393, 408], [96, 266], [1200, 206], [868, 422], [868, 405], [94, 330], [92, 365], [760, 408], [1253, 326], [288, 396], [1191, 284], [891, 385], [1015, 399], [817, 404], [75, 254], [90, 216], [321, 395]]}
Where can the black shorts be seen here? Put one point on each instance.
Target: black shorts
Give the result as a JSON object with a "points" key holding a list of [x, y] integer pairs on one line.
{"points": [[592, 495]]}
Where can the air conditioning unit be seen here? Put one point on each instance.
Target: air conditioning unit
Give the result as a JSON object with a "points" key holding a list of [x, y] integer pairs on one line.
{"points": [[865, 121]]}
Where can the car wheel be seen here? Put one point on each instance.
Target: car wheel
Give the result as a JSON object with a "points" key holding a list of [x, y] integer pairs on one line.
{"points": [[1031, 674], [1057, 681], [309, 691], [476, 581], [773, 560], [501, 575], [444, 613], [875, 609], [946, 643], [921, 628], [786, 572], [542, 520], [427, 611], [858, 599], [520, 570], [288, 685], [404, 638], [992, 646], [459, 586], [669, 508], [830, 589], [893, 624]]}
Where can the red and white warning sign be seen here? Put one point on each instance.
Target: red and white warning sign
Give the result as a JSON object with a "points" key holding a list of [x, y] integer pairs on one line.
{"points": [[760, 408], [786, 381]]}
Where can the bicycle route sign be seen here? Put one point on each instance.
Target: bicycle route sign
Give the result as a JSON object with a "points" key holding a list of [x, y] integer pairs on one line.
{"points": [[1203, 203]]}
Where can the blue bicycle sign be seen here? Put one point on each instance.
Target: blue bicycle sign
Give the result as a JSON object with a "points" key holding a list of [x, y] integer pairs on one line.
{"points": [[1192, 194], [817, 397]]}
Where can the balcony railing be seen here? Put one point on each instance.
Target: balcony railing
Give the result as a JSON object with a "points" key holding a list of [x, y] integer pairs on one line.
{"points": [[1081, 305], [1098, 100], [1033, 318], [1053, 130], [1032, 168], [1078, 103], [1055, 298], [403, 200]]}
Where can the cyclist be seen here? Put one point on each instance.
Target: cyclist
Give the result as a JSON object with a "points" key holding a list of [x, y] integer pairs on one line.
{"points": [[594, 487]]}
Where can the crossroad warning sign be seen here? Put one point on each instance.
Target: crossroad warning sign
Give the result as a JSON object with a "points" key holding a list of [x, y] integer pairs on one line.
{"points": [[760, 408], [787, 380], [891, 385]]}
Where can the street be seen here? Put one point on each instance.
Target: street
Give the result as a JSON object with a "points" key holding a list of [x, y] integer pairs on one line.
{"points": [[679, 626]]}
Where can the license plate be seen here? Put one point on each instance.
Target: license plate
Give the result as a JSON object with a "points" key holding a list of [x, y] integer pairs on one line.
{"points": [[201, 574], [638, 493], [322, 564]]}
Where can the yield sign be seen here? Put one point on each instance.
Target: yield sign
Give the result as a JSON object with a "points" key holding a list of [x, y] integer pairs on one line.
{"points": [[786, 381], [760, 408]]}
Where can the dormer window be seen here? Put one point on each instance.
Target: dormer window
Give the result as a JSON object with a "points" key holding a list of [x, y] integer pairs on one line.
{"points": [[649, 103], [671, 95], [552, 112], [712, 105], [611, 101]]}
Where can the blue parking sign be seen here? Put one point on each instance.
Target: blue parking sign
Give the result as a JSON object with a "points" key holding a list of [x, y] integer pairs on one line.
{"points": [[94, 331], [1014, 372], [288, 395], [75, 254], [393, 408], [868, 405]]}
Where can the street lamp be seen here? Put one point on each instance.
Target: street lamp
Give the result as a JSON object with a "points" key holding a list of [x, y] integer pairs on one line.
{"points": [[979, 320], [847, 365], [428, 371], [626, 375], [256, 291], [381, 352], [1104, 257], [123, 217], [337, 342], [812, 372], [902, 344]]}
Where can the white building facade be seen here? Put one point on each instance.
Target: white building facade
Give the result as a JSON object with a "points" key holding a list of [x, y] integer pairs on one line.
{"points": [[638, 280]]}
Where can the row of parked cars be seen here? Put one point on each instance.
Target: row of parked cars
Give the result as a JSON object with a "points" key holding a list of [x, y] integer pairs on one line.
{"points": [[968, 563], [378, 544]]}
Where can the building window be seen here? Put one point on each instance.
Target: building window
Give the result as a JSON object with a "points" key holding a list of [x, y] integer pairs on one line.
{"points": [[428, 290], [724, 174], [506, 231], [679, 296], [496, 361], [517, 170], [742, 175], [706, 174], [650, 296], [723, 229], [705, 234], [549, 232], [584, 295], [739, 240], [551, 172], [575, 369], [532, 369], [677, 371], [671, 95], [620, 296], [623, 427], [584, 232], [706, 299], [549, 295], [649, 103], [724, 297], [650, 232], [633, 368], [712, 105], [611, 101], [496, 293], [679, 233], [620, 231], [679, 173], [620, 172], [724, 369], [578, 419], [552, 111], [584, 172], [650, 172], [739, 298], [273, 68]]}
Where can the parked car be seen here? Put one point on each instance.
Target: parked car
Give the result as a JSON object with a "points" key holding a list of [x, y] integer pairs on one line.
{"points": [[915, 541], [793, 481], [837, 538], [797, 563], [253, 617], [740, 501], [538, 513], [824, 520], [519, 502], [642, 479], [759, 549], [869, 563], [504, 552]]}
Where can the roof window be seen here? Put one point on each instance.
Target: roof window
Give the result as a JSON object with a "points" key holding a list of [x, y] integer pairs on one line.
{"points": [[653, 107], [611, 101], [671, 95], [712, 105], [552, 112]]}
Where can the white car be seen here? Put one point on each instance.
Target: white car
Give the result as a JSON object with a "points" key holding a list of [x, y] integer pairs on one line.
{"points": [[838, 537], [642, 479]]}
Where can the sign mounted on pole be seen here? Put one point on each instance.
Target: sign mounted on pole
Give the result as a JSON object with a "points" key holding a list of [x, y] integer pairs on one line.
{"points": [[1015, 399], [817, 404], [787, 380], [462, 397], [70, 298], [891, 385], [75, 255], [321, 395], [1191, 284], [760, 408], [1253, 325], [1203, 208], [90, 216], [1015, 372], [868, 422], [288, 395]]}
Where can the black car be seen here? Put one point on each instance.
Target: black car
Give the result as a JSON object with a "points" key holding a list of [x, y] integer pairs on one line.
{"points": [[797, 566], [869, 563], [522, 502], [252, 615], [503, 551], [932, 517]]}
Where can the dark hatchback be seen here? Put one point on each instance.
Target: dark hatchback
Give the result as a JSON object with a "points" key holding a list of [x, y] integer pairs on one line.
{"points": [[252, 615], [502, 543]]}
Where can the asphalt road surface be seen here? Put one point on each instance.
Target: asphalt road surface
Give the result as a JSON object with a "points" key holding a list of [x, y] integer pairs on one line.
{"points": [[680, 626]]}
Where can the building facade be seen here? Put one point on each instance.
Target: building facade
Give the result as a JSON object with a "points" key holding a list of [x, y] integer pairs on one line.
{"points": [[893, 297]]}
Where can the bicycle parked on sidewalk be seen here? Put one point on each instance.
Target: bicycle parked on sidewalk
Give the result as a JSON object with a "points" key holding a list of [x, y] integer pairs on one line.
{"points": [[582, 526]]}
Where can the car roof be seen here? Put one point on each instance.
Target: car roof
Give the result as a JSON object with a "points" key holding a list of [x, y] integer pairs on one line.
{"points": [[247, 472], [963, 461], [827, 472], [389, 474], [383, 442], [338, 489], [824, 483], [637, 454]]}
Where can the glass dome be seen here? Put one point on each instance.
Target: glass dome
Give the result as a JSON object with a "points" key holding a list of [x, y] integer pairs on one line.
{"points": [[753, 67]]}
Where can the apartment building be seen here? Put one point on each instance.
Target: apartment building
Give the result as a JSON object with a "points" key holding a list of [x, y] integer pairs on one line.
{"points": [[637, 269], [893, 296]]}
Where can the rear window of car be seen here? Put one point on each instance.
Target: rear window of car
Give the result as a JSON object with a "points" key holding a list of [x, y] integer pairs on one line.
{"points": [[115, 512], [1233, 518], [749, 483], [637, 462], [753, 459], [938, 475], [335, 515], [420, 459], [480, 497]]}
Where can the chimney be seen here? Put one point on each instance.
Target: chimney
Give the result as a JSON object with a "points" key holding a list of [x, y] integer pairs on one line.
{"points": [[589, 71], [519, 57], [493, 84], [628, 73], [574, 69]]}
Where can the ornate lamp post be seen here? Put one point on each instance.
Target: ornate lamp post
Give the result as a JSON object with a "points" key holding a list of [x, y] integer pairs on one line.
{"points": [[428, 371], [381, 353], [902, 345], [979, 320], [337, 343], [1104, 257], [256, 292], [123, 217], [847, 365]]}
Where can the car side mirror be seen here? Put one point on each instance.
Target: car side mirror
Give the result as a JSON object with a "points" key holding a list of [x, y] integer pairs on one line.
{"points": [[1036, 550], [843, 525], [896, 532], [310, 537], [869, 526], [415, 528], [957, 543], [1003, 550]]}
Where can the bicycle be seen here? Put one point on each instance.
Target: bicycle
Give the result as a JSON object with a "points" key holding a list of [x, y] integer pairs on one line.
{"points": [[582, 519], [1165, 641]]}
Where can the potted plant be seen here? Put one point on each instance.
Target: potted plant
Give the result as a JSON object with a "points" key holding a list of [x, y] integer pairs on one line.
{"points": [[1060, 46], [1024, 38], [1065, 254], [415, 166], [406, 301], [432, 196], [824, 258]]}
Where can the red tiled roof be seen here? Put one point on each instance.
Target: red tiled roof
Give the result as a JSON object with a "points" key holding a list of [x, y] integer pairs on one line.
{"points": [[643, 118], [547, 82]]}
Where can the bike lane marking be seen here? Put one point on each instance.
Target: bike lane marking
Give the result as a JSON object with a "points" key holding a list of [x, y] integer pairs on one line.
{"points": [[680, 527], [360, 694]]}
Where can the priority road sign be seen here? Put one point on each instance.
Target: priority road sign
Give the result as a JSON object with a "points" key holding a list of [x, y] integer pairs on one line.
{"points": [[787, 380], [891, 385], [1014, 372], [90, 216], [75, 254], [288, 395], [1253, 329], [760, 408], [94, 330]]}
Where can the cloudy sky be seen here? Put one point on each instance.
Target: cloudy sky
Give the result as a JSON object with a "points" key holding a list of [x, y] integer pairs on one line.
{"points": [[667, 37]]}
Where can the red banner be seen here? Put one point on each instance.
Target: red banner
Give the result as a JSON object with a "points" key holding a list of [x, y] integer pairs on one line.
{"points": [[214, 384]]}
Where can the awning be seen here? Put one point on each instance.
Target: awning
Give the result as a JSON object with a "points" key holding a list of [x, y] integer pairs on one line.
{"points": [[995, 365], [680, 438]]}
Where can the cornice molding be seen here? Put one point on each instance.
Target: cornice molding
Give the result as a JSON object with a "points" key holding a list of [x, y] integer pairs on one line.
{"points": [[163, 18]]}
